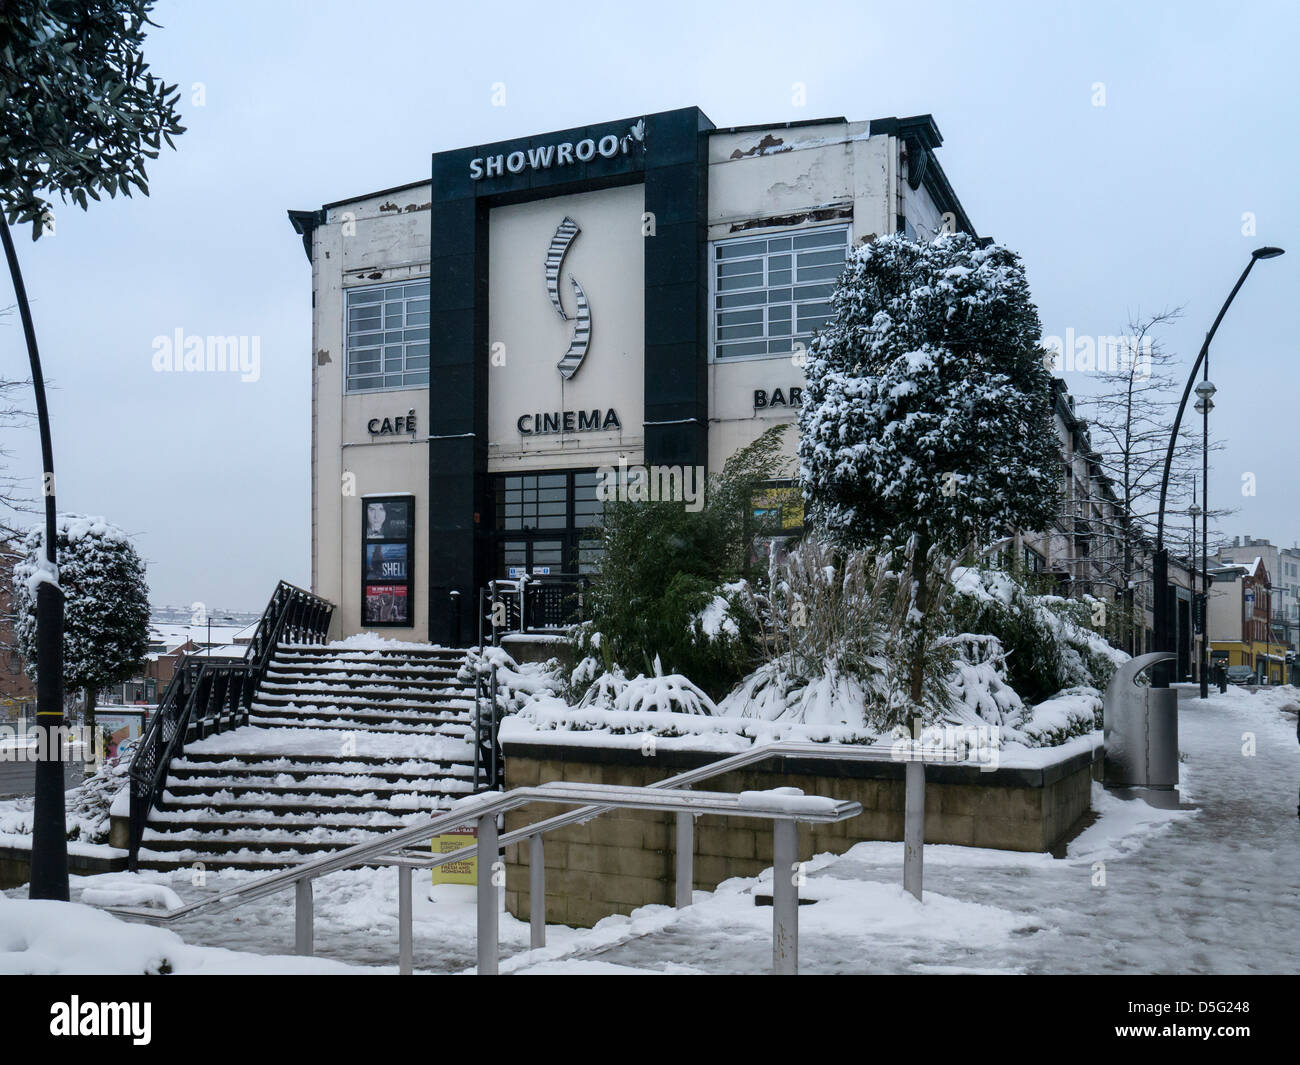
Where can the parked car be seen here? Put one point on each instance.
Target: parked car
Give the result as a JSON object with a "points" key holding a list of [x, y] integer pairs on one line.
{"points": [[1241, 675]]}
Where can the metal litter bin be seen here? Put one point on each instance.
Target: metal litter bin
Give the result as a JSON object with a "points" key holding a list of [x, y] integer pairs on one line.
{"points": [[1141, 733]]}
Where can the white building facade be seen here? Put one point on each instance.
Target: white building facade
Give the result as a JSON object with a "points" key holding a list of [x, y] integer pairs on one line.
{"points": [[632, 293]]}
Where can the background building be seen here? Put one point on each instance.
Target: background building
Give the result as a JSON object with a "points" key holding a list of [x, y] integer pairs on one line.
{"points": [[1240, 621], [1283, 567]]}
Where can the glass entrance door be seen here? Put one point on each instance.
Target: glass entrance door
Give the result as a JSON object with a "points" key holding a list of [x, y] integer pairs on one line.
{"points": [[546, 522], [533, 555]]}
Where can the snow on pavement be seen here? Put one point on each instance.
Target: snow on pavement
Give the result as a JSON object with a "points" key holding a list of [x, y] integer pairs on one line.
{"points": [[1206, 890]]}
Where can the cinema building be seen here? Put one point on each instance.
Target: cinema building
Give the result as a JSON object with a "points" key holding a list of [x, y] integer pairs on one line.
{"points": [[630, 293]]}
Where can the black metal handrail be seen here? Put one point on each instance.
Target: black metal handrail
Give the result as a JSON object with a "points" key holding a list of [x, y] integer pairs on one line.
{"points": [[209, 695], [489, 765]]}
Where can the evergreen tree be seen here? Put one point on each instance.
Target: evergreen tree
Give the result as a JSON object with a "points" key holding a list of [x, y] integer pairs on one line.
{"points": [[106, 620], [926, 425]]}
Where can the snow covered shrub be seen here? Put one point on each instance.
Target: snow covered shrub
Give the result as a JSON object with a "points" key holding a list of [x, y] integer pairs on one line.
{"points": [[926, 418], [1046, 638], [663, 694], [828, 620], [106, 603], [602, 690], [1072, 712], [517, 683], [664, 569], [978, 681]]}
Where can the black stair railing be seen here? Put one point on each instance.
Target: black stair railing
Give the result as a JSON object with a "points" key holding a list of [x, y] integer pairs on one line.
{"points": [[535, 604], [489, 765], [207, 696]]}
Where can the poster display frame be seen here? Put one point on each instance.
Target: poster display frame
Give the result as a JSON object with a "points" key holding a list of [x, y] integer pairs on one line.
{"points": [[387, 530]]}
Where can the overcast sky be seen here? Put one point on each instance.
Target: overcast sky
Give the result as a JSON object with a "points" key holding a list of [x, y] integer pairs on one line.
{"points": [[1118, 209]]}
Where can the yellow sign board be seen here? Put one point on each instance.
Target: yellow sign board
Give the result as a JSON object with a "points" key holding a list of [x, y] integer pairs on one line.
{"points": [[462, 872], [779, 507]]}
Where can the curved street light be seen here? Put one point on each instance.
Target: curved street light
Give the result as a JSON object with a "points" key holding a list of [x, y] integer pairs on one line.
{"points": [[1160, 561]]}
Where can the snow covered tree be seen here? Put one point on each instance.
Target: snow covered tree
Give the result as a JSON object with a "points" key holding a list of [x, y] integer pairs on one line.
{"points": [[926, 424], [106, 621], [662, 565]]}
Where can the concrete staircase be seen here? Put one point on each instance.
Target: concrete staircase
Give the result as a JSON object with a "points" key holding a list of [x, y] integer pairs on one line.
{"points": [[343, 743]]}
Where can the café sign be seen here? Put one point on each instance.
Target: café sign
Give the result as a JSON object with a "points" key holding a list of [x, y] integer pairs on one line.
{"points": [[392, 426]]}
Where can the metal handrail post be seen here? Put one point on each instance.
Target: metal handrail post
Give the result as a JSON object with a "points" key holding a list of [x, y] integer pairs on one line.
{"points": [[914, 828], [487, 895], [536, 892], [785, 898], [405, 947], [478, 722], [492, 730], [684, 859], [303, 918]]}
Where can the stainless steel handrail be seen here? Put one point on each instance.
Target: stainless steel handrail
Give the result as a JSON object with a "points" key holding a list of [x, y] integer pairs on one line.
{"points": [[388, 849], [783, 807]]}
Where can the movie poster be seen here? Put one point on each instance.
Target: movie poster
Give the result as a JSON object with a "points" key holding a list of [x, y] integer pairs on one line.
{"points": [[386, 562], [388, 519], [387, 604]]}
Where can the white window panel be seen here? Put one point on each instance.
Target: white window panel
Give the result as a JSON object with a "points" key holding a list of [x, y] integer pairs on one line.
{"points": [[387, 337], [770, 293]]}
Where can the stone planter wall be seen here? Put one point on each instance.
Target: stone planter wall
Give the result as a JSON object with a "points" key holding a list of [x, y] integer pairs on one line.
{"points": [[624, 859]]}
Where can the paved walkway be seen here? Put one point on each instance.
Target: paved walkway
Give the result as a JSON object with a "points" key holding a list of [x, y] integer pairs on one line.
{"points": [[1213, 891]]}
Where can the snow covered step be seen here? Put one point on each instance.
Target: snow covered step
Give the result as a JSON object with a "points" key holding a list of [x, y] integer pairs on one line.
{"points": [[343, 743], [345, 699], [221, 818], [252, 741], [272, 810], [326, 790], [361, 715], [213, 847], [345, 728], [217, 821], [410, 660], [251, 766], [236, 796], [381, 689], [365, 674], [250, 858]]}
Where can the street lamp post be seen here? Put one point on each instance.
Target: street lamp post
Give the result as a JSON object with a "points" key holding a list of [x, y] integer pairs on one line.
{"points": [[1160, 561], [1199, 602], [1204, 404], [49, 868], [207, 650]]}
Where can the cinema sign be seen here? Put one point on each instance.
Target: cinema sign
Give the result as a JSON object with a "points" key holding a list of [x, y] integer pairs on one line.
{"points": [[568, 421], [565, 153]]}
